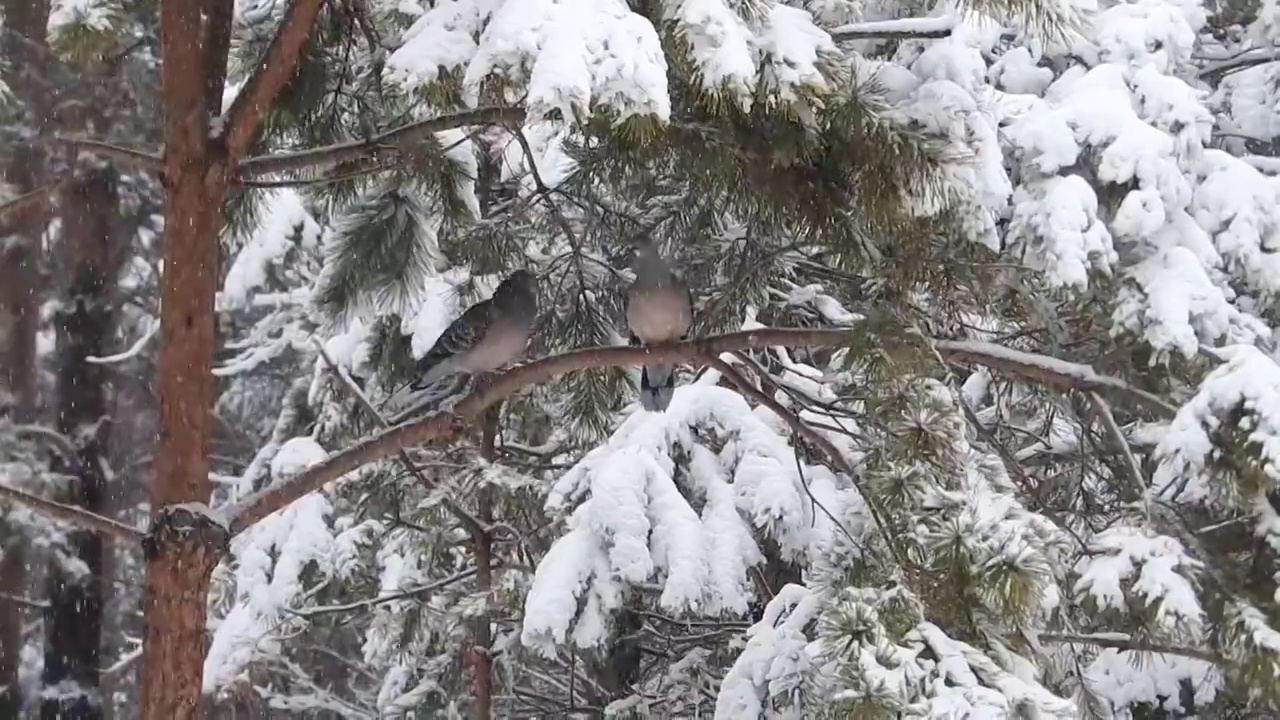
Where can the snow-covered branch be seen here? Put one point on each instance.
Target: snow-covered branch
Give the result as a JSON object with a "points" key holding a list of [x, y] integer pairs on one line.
{"points": [[381, 599], [131, 352], [74, 515], [443, 428], [906, 28]]}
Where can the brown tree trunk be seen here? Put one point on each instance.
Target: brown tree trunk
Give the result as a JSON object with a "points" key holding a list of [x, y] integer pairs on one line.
{"points": [[73, 624], [185, 544], [18, 267], [19, 306]]}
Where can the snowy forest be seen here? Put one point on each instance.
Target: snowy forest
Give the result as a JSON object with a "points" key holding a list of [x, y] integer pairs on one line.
{"points": [[639, 359]]}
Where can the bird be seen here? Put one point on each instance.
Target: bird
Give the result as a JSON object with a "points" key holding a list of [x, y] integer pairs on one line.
{"points": [[658, 308], [486, 337]]}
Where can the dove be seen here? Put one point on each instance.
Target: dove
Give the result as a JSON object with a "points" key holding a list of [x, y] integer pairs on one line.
{"points": [[486, 337], [489, 335], [659, 308]]}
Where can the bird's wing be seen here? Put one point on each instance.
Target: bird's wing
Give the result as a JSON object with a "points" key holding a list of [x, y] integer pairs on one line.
{"points": [[461, 336]]}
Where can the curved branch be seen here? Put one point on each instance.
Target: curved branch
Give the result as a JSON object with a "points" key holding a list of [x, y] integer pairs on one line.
{"points": [[443, 428]]}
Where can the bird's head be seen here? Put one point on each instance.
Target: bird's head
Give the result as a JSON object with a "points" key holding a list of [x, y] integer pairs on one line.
{"points": [[518, 288]]}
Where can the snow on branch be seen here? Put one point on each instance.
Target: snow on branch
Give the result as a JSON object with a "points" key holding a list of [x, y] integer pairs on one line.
{"points": [[242, 119], [443, 428], [74, 515], [132, 157], [132, 352], [906, 28]]}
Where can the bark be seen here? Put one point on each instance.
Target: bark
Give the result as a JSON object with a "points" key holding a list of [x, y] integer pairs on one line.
{"points": [[19, 307], [185, 543], [481, 657], [73, 621], [18, 312]]}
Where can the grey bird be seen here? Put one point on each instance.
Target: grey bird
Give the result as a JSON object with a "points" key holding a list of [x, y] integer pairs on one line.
{"points": [[487, 336], [659, 308]]}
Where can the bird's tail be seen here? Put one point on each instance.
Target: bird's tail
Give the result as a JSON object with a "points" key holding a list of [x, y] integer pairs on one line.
{"points": [[657, 386]]}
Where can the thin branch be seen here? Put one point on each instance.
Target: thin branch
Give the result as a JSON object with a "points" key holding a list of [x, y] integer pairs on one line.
{"points": [[243, 118], [471, 522], [446, 427], [73, 515], [133, 350], [31, 201], [1132, 470], [132, 157], [124, 663], [24, 602], [387, 142], [1121, 641], [382, 599]]}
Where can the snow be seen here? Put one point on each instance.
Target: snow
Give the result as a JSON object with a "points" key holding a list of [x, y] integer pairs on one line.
{"points": [[295, 455], [1129, 562], [286, 224], [776, 658], [93, 15], [269, 560], [569, 55], [632, 521], [1127, 678], [1247, 381]]}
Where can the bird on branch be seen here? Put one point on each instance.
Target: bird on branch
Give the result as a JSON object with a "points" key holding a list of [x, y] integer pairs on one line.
{"points": [[659, 308], [488, 336]]}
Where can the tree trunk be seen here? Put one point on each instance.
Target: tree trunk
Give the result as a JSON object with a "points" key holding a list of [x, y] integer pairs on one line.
{"points": [[185, 544], [18, 266], [74, 619], [19, 308]]}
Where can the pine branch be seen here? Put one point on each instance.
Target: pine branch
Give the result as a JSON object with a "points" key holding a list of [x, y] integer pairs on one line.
{"points": [[73, 515], [445, 428], [244, 117], [376, 147]]}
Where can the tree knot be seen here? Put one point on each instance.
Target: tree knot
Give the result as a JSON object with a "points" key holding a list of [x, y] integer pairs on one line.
{"points": [[186, 528]]}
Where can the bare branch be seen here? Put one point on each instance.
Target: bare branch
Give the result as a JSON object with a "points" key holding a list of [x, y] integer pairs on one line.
{"points": [[140, 159], [33, 201], [73, 515], [1132, 470], [386, 143], [443, 428], [244, 117]]}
